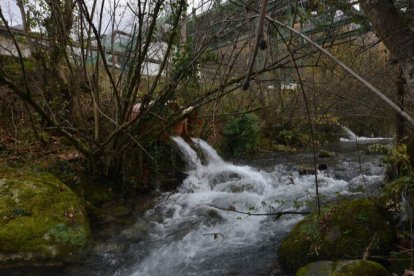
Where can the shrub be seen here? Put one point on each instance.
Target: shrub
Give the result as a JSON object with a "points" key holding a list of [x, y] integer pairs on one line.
{"points": [[398, 162], [241, 136]]}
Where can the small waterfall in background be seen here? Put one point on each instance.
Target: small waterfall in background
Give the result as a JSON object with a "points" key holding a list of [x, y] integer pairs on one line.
{"points": [[195, 231], [352, 137]]}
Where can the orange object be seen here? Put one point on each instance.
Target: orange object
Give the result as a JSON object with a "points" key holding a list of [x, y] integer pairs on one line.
{"points": [[178, 128]]}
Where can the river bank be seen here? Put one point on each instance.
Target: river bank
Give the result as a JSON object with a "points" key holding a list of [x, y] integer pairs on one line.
{"points": [[185, 233]]}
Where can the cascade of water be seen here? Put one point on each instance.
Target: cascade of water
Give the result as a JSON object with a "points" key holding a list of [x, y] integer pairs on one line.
{"points": [[352, 137], [196, 231], [189, 154], [350, 133], [208, 150]]}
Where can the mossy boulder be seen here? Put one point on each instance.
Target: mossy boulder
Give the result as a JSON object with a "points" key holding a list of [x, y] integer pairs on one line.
{"points": [[306, 170], [343, 268], [346, 229], [42, 221]]}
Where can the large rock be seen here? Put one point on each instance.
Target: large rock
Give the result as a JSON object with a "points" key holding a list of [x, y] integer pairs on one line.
{"points": [[343, 268], [347, 229], [41, 220]]}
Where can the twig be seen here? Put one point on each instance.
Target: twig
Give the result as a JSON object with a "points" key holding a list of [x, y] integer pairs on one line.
{"points": [[277, 214], [308, 114], [371, 243]]}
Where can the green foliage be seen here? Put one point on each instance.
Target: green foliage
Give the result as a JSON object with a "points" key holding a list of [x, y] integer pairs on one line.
{"points": [[300, 135], [64, 234], [378, 149], [241, 136], [398, 195], [343, 268], [398, 162], [394, 188], [286, 137]]}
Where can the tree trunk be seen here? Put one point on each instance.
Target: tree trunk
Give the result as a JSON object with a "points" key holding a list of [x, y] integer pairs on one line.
{"points": [[399, 120], [393, 27], [395, 30]]}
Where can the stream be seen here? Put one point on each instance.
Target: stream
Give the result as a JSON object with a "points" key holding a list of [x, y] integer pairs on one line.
{"points": [[197, 230]]}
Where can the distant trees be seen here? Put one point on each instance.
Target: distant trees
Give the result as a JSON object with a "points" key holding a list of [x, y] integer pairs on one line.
{"points": [[82, 86], [72, 86]]}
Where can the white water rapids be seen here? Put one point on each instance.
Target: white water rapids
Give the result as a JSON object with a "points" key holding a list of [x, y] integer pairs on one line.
{"points": [[191, 234]]}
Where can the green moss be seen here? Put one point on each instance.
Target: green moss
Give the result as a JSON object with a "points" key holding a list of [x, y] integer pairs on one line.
{"points": [[345, 230], [359, 267], [321, 268], [64, 234], [343, 268], [326, 154], [41, 219]]}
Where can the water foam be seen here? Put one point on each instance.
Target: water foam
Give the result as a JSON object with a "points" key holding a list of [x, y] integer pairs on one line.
{"points": [[194, 235]]}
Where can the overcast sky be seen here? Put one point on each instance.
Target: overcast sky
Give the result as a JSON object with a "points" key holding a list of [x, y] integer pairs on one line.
{"points": [[123, 15]]}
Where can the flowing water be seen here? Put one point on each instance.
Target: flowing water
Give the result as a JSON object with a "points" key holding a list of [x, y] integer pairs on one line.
{"points": [[352, 137], [198, 230]]}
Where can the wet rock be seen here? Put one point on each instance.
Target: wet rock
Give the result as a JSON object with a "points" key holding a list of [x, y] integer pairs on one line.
{"points": [[239, 187], [343, 268], [304, 170], [145, 204], [210, 216], [321, 268], [367, 183], [42, 221], [169, 184], [345, 229], [322, 167], [120, 211], [214, 214], [231, 208], [136, 232]]}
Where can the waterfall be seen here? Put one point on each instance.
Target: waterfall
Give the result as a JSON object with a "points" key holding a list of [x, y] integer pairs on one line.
{"points": [[208, 150], [189, 154], [197, 230], [352, 137]]}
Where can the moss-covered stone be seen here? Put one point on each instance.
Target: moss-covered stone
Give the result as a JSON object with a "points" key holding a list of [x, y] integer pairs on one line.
{"points": [[321, 268], [326, 154], [42, 221], [306, 170], [343, 268], [346, 229]]}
